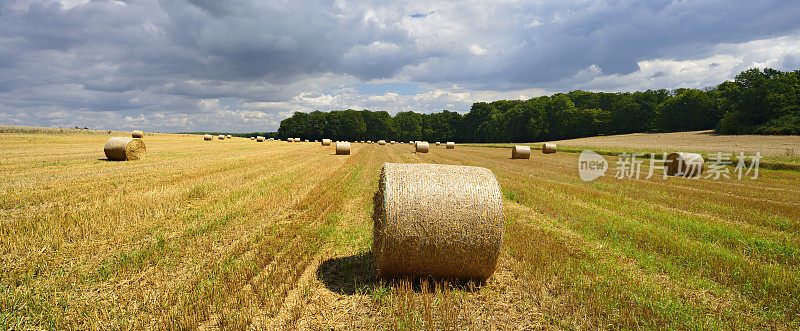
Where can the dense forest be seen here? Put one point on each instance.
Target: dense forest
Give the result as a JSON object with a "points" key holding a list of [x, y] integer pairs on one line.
{"points": [[756, 102]]}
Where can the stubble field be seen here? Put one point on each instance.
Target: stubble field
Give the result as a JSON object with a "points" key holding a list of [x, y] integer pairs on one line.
{"points": [[239, 234]]}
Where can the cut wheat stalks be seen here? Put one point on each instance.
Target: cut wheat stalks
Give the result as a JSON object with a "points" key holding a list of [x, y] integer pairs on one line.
{"points": [[521, 152], [342, 148], [437, 220], [684, 164], [137, 134], [548, 148], [124, 149], [421, 147], [450, 145], [208, 137]]}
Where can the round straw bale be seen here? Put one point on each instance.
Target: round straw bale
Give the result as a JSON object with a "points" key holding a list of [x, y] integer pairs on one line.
{"points": [[137, 134], [207, 137], [326, 142], [124, 148], [290, 140], [684, 164], [221, 137], [421, 147], [381, 142], [450, 145], [521, 152], [260, 139], [392, 142], [342, 148], [297, 140], [228, 136], [438, 143], [437, 220], [548, 148]]}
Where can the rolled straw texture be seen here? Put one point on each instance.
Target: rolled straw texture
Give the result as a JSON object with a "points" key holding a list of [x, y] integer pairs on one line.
{"points": [[421, 147], [684, 164], [326, 142], [521, 152], [437, 220], [342, 148], [451, 145], [207, 137], [548, 148], [137, 134], [124, 148]]}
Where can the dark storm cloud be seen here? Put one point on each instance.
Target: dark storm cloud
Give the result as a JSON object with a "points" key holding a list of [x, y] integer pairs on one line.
{"points": [[151, 57]]}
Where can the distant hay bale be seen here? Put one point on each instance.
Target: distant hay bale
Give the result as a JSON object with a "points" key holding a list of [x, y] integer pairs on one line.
{"points": [[548, 148], [297, 140], [521, 152], [221, 137], [290, 140], [437, 220], [369, 141], [684, 164], [392, 142], [450, 145], [137, 134], [260, 139], [381, 142], [228, 136], [421, 147], [342, 148], [208, 137], [438, 143], [326, 142], [124, 148]]}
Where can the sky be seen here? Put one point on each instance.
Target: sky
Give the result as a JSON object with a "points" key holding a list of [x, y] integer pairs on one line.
{"points": [[245, 65]]}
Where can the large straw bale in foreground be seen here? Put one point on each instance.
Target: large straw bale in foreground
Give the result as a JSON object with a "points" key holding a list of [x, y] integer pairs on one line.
{"points": [[137, 134], [437, 220], [207, 137], [342, 148], [521, 152], [326, 142], [124, 148], [421, 147], [548, 148], [684, 164], [451, 145]]}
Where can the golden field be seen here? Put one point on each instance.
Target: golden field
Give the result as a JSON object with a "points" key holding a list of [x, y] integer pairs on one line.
{"points": [[238, 234]]}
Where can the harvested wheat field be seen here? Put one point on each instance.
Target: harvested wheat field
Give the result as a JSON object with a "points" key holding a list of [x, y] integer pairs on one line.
{"points": [[239, 235]]}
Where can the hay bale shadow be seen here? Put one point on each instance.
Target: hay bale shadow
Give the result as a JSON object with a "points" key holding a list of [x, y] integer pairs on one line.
{"points": [[348, 275], [355, 274]]}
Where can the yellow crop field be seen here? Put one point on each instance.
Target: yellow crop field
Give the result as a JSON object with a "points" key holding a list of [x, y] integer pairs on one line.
{"points": [[237, 234]]}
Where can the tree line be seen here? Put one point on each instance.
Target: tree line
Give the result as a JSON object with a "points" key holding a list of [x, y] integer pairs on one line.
{"points": [[756, 102]]}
